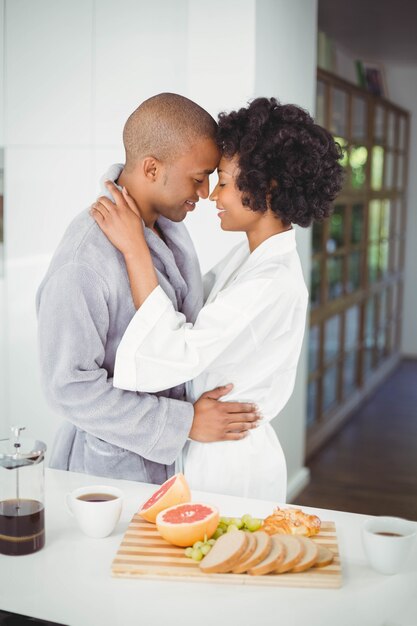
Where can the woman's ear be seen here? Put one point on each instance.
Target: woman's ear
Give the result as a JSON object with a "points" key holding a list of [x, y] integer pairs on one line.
{"points": [[273, 185]]}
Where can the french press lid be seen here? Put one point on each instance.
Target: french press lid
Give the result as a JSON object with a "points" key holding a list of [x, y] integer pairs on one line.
{"points": [[20, 451]]}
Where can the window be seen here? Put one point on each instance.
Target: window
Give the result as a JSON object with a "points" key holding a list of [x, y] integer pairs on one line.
{"points": [[358, 253]]}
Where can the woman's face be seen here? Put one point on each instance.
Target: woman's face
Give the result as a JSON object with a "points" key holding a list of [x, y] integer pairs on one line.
{"points": [[233, 215]]}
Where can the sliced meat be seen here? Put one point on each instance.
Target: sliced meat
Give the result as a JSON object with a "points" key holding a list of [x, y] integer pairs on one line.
{"points": [[294, 553], [325, 556], [250, 548], [271, 562], [309, 557], [225, 553], [263, 546]]}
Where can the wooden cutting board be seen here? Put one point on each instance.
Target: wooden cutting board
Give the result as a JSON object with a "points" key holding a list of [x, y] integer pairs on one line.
{"points": [[144, 554]]}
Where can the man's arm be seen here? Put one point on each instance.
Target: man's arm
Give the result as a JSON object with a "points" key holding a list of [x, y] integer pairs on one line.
{"points": [[73, 329]]}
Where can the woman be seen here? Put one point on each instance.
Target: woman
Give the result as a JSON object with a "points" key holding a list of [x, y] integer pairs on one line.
{"points": [[278, 168]]}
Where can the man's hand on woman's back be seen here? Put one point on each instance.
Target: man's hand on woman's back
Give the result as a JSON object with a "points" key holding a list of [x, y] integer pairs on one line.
{"points": [[222, 421]]}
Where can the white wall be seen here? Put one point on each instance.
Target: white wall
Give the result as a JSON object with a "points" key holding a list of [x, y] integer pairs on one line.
{"points": [[3, 383], [221, 75], [74, 72], [48, 173], [3, 332], [1, 72]]}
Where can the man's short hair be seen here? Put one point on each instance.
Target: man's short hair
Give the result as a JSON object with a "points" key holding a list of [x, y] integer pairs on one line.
{"points": [[164, 127]]}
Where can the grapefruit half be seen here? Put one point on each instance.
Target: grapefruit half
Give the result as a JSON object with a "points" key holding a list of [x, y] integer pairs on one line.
{"points": [[184, 524], [173, 491]]}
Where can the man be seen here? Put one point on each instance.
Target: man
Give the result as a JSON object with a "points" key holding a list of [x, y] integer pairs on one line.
{"points": [[84, 305]]}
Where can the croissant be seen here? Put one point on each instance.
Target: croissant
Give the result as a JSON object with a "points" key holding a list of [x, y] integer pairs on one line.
{"points": [[291, 521]]}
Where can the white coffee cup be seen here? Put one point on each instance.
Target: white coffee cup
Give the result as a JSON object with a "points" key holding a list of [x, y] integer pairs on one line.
{"points": [[96, 517], [387, 542]]}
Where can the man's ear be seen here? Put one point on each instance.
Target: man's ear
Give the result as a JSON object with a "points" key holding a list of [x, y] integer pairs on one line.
{"points": [[150, 168]]}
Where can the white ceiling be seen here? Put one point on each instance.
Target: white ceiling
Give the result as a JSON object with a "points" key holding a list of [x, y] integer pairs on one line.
{"points": [[372, 29]]}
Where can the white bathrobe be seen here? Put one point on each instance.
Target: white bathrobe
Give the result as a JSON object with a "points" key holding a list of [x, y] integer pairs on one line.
{"points": [[248, 333]]}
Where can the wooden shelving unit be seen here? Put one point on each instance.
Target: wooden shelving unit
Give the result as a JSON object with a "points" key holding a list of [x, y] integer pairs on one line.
{"points": [[358, 256]]}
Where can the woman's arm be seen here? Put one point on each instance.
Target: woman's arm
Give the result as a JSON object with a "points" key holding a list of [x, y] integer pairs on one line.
{"points": [[123, 226], [160, 349]]}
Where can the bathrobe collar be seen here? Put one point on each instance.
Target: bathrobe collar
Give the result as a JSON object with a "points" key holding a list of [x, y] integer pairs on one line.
{"points": [[274, 246], [244, 261]]}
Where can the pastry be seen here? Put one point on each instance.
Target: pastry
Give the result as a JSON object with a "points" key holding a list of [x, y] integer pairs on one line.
{"points": [[291, 521]]}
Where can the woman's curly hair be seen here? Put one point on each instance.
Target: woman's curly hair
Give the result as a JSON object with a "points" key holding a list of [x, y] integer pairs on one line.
{"points": [[286, 161]]}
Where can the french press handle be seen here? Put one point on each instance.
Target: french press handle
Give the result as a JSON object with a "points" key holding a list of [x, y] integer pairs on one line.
{"points": [[16, 430]]}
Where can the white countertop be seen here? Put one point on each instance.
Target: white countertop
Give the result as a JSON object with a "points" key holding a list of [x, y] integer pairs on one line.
{"points": [[69, 580]]}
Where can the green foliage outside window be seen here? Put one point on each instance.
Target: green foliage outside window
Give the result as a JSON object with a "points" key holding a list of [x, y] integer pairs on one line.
{"points": [[377, 167], [357, 161]]}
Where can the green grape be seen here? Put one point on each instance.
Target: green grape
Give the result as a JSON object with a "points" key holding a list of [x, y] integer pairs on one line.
{"points": [[212, 541], [189, 552], [205, 549], [254, 524], [225, 520], [198, 544], [197, 555], [222, 526], [246, 518], [237, 521], [218, 533], [232, 528]]}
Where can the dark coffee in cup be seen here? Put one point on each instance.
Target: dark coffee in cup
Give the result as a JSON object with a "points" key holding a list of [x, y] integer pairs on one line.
{"points": [[97, 497], [389, 534]]}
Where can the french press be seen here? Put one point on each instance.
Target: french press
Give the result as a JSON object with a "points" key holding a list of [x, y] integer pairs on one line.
{"points": [[22, 519]]}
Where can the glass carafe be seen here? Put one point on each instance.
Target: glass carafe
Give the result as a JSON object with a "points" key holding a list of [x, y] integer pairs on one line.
{"points": [[22, 517]]}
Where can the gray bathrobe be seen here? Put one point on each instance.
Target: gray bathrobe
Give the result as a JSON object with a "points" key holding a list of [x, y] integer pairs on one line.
{"points": [[84, 305]]}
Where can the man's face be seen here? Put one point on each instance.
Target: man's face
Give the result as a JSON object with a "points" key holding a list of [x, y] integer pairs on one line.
{"points": [[183, 182]]}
